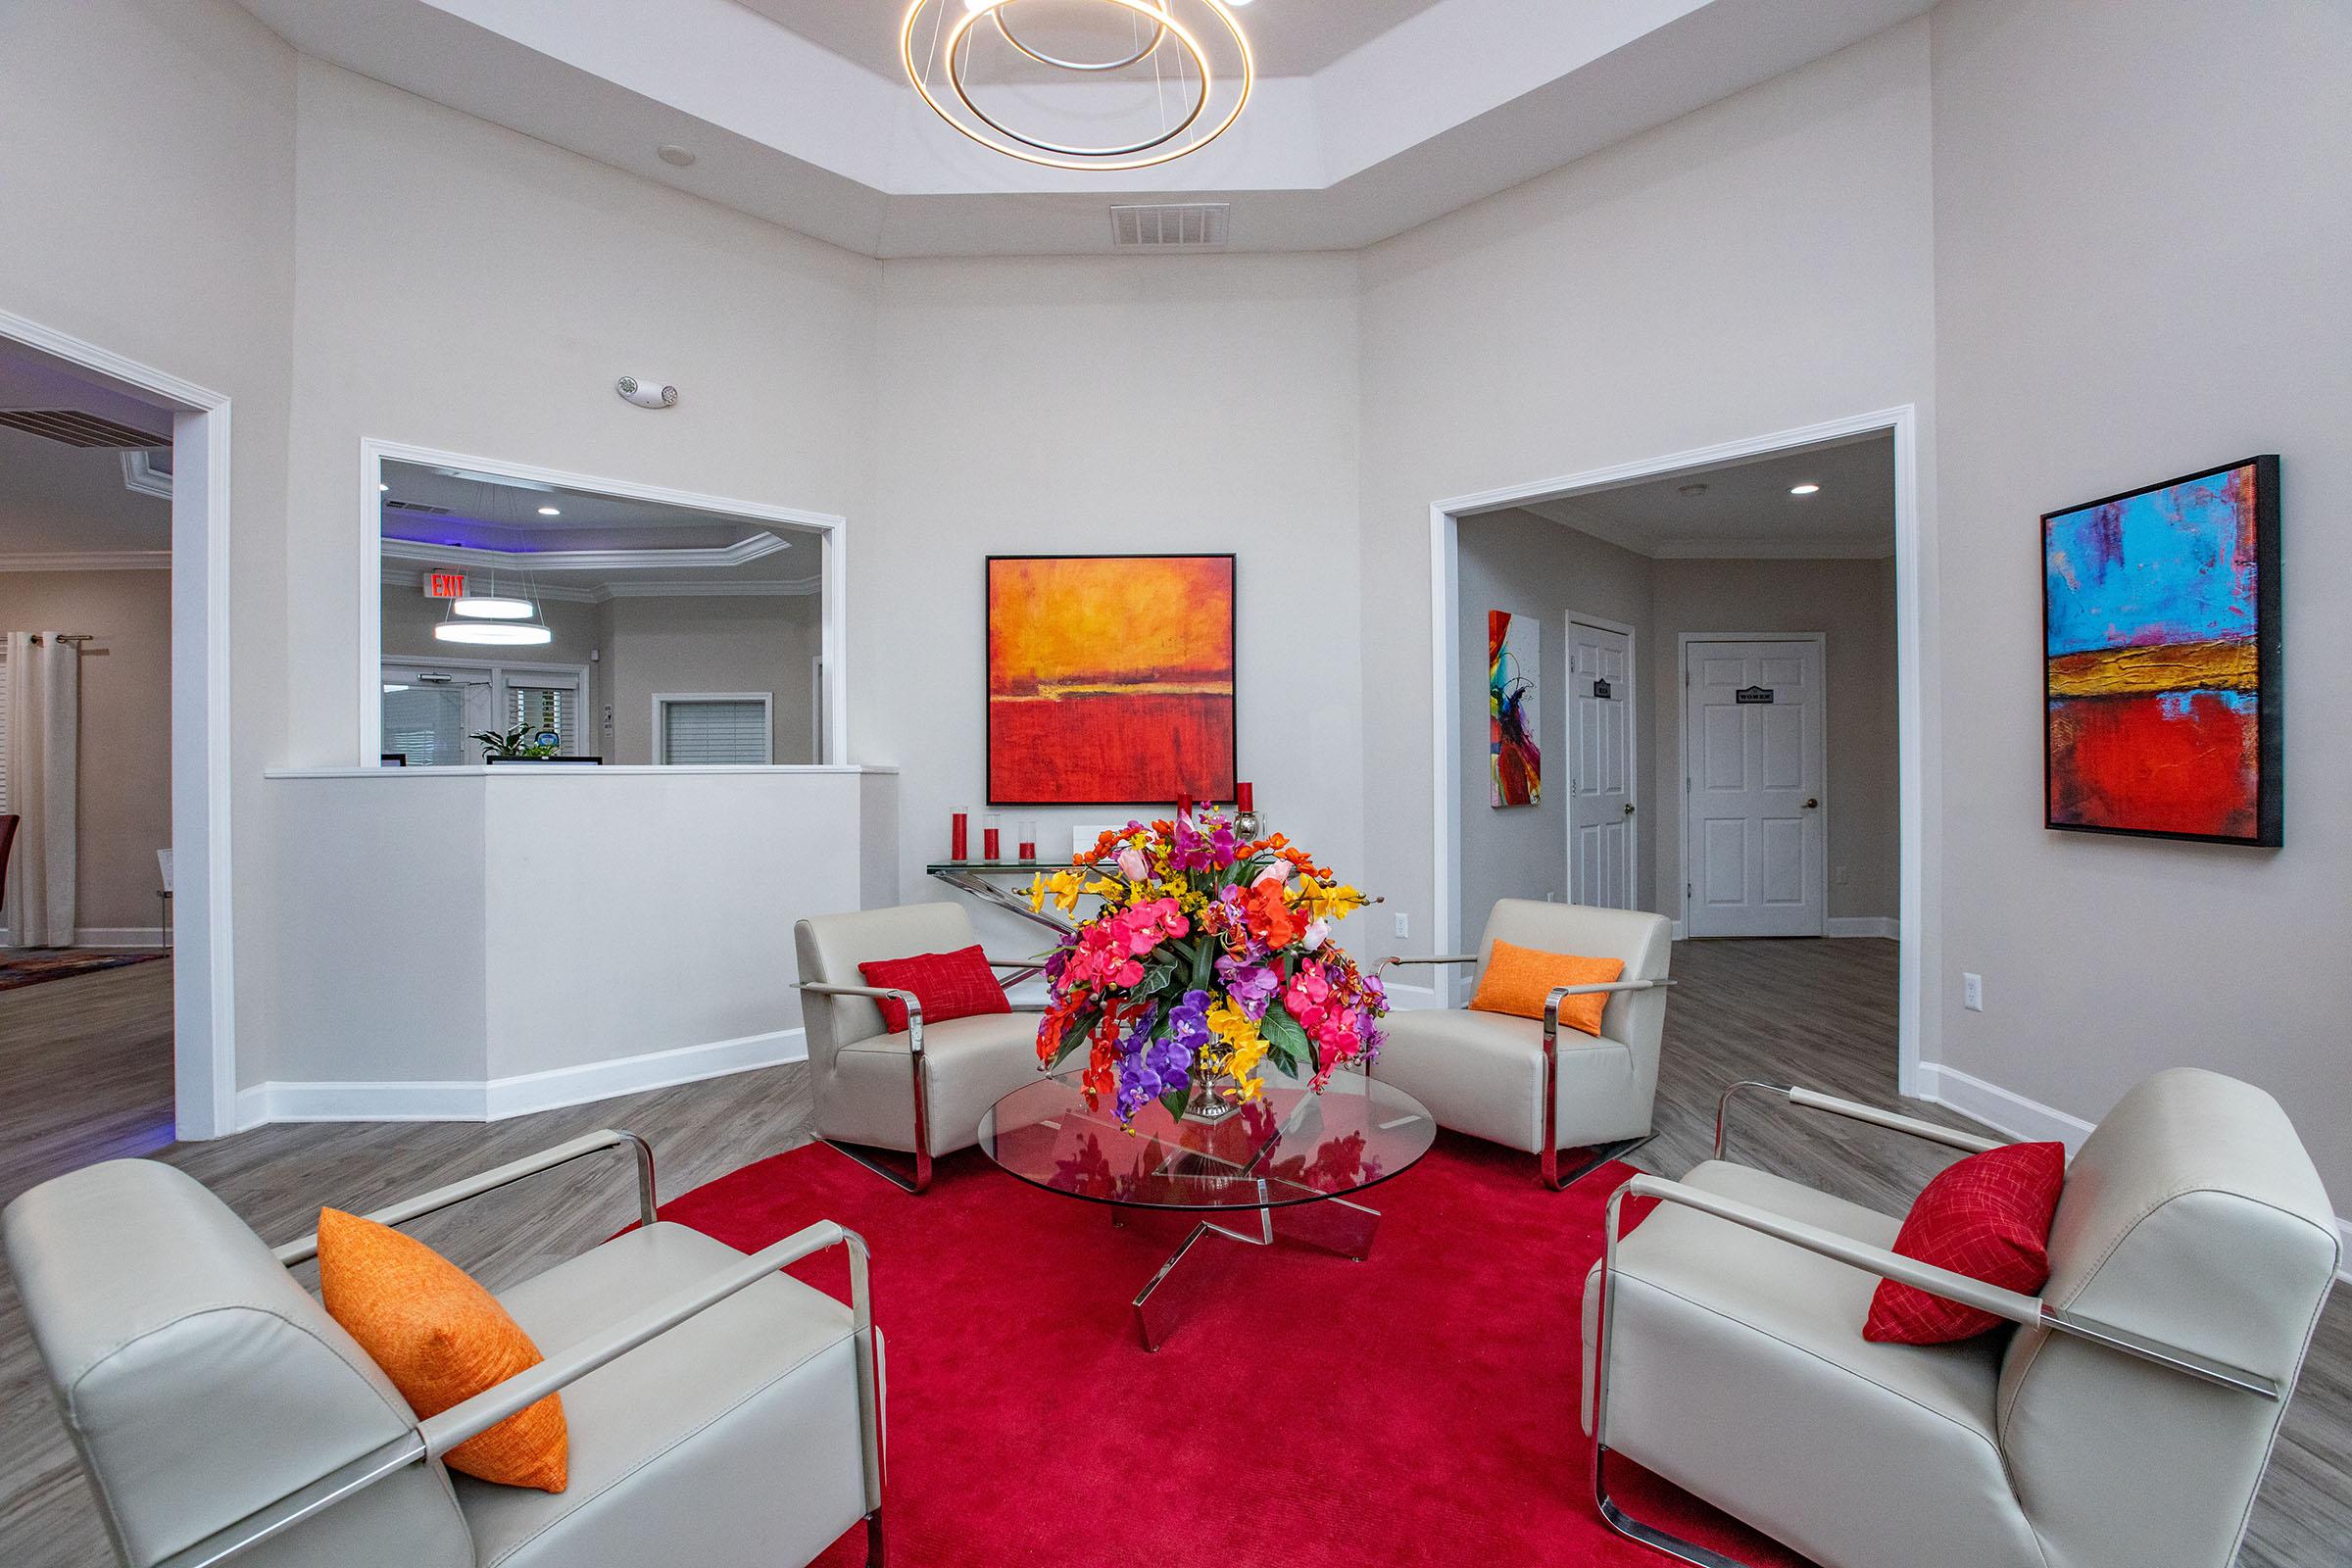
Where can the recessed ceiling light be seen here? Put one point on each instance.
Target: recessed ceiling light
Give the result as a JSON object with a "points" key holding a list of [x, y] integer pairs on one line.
{"points": [[382, 487], [677, 156], [1802, 489], [551, 512]]}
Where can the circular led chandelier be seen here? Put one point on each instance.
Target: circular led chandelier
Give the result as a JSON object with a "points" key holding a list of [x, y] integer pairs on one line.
{"points": [[1183, 65]]}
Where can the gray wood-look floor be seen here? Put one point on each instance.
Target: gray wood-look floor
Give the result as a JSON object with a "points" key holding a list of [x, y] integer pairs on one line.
{"points": [[85, 1075]]}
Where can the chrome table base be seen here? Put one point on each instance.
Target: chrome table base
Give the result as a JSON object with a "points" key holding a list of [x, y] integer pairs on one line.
{"points": [[1333, 1224]]}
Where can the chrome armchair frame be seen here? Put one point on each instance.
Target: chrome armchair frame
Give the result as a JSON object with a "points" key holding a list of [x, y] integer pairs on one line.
{"points": [[1547, 1158], [2028, 1311], [875, 1159], [436, 1436]]}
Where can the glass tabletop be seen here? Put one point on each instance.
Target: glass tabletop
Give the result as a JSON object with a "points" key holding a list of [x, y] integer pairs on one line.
{"points": [[1291, 1146]]}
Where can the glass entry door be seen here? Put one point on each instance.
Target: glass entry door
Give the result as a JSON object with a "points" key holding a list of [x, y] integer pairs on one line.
{"points": [[429, 713]]}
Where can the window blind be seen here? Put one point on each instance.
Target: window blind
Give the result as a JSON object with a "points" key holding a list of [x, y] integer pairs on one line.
{"points": [[426, 724], [556, 707], [713, 731]]}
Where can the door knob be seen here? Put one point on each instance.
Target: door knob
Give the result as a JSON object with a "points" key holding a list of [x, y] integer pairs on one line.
{"points": [[1629, 810], [1812, 803]]}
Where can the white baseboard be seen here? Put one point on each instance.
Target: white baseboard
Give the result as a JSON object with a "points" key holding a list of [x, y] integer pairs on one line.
{"points": [[1678, 932], [105, 935], [2013, 1115], [497, 1099], [1882, 926]]}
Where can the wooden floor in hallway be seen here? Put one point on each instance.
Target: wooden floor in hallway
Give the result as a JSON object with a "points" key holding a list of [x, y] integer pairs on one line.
{"points": [[85, 1075]]}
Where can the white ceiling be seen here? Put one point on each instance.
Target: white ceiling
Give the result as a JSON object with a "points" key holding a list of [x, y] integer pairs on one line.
{"points": [[57, 499], [1373, 115], [1746, 509], [1290, 37], [595, 543]]}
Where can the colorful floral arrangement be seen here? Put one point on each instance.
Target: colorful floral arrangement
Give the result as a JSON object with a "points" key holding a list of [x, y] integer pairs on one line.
{"points": [[1208, 957]]}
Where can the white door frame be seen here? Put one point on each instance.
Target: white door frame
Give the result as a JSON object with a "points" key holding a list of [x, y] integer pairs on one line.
{"points": [[204, 1017], [833, 566], [1632, 741], [1682, 664], [1918, 667]]}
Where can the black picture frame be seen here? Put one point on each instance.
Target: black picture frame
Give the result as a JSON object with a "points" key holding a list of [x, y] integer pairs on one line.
{"points": [[987, 633], [2269, 665]]}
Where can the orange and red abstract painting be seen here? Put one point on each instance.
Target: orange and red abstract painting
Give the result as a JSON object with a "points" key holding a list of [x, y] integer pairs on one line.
{"points": [[2161, 637], [1110, 679]]}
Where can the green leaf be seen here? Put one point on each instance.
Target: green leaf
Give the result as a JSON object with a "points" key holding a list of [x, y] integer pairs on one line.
{"points": [[1202, 964], [1175, 1099], [1286, 1042]]}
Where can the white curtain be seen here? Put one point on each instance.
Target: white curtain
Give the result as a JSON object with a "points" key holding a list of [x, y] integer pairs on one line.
{"points": [[44, 745]]}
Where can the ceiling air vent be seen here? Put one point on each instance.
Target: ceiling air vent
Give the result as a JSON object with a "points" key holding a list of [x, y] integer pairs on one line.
{"points": [[79, 429], [1177, 225], [419, 507]]}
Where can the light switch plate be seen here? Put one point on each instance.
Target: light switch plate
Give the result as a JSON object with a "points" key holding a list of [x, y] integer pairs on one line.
{"points": [[1971, 991]]}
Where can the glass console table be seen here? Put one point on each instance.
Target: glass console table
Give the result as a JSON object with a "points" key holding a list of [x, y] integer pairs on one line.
{"points": [[1004, 884], [1287, 1162]]}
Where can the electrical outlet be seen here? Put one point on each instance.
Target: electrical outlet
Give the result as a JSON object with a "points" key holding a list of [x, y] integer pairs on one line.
{"points": [[1405, 924], [1971, 991]]}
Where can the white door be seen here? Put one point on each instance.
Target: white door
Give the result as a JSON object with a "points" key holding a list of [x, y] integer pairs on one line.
{"points": [[1755, 748], [1601, 765]]}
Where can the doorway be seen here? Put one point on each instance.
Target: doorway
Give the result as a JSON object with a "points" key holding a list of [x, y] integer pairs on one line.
{"points": [[1603, 809], [1755, 777], [1670, 523], [203, 1009]]}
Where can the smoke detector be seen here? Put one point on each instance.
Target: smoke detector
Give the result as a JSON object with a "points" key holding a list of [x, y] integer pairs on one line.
{"points": [[1171, 226]]}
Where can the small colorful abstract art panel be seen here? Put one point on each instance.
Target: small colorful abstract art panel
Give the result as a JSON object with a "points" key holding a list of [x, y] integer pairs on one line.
{"points": [[2160, 626], [1515, 649], [1111, 679]]}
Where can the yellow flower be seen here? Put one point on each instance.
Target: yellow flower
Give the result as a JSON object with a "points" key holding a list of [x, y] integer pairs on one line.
{"points": [[1246, 1048], [1323, 903], [1062, 887]]}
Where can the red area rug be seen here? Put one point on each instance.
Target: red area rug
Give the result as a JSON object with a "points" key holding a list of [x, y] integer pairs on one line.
{"points": [[33, 967], [1417, 1408]]}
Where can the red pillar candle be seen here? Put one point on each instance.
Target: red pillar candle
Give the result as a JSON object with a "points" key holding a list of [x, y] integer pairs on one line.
{"points": [[1029, 843], [1245, 797], [990, 840], [1184, 808], [959, 837]]}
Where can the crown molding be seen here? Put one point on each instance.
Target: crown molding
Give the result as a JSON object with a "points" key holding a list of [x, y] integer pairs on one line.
{"points": [[88, 560], [1819, 547], [742, 553], [789, 588]]}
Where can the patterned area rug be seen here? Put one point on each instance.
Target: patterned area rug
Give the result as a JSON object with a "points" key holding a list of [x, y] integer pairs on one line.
{"points": [[1414, 1411], [62, 964]]}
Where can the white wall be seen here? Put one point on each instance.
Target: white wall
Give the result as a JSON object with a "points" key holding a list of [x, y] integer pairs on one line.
{"points": [[2143, 255], [123, 797], [1759, 265], [147, 174], [483, 940], [754, 643], [1143, 405], [1531, 566], [1851, 604]]}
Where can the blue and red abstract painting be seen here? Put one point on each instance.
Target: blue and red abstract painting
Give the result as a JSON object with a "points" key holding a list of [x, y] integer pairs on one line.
{"points": [[2161, 631]]}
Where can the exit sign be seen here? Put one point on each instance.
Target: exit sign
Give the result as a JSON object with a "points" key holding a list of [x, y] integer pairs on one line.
{"points": [[444, 585]]}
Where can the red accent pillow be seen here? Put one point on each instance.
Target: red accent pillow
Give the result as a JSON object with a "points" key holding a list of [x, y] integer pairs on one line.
{"points": [[1987, 1217], [949, 984]]}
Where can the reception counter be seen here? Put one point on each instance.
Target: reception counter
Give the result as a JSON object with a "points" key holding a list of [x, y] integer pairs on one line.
{"points": [[475, 943]]}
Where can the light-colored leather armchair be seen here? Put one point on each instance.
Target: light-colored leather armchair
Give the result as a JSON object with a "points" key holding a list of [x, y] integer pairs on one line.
{"points": [[2124, 1423], [720, 1413], [1526, 1084], [922, 1090]]}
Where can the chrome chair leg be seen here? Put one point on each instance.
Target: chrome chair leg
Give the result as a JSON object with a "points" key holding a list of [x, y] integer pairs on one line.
{"points": [[1601, 1154], [876, 1552], [876, 1160], [1616, 1518]]}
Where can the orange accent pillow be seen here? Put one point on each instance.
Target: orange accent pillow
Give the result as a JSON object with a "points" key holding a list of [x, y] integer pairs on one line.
{"points": [[441, 1339], [1518, 980]]}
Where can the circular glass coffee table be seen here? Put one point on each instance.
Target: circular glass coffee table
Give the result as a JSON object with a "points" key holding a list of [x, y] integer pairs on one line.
{"points": [[1285, 1164]]}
